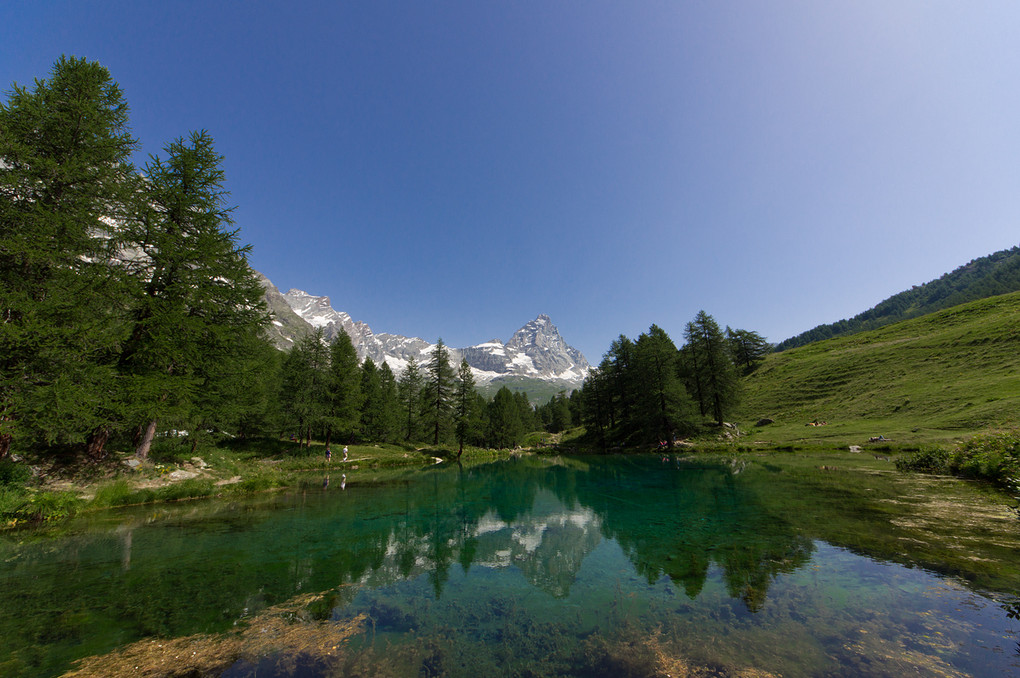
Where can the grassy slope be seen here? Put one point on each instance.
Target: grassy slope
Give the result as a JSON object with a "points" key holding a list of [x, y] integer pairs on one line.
{"points": [[931, 379]]}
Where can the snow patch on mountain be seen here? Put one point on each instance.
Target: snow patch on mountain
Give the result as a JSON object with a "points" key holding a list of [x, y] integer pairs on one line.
{"points": [[534, 351]]}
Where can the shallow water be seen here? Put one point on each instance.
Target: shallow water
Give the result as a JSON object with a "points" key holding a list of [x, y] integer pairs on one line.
{"points": [[535, 567]]}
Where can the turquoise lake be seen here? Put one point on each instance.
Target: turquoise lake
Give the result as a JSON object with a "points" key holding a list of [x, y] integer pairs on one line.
{"points": [[615, 566]]}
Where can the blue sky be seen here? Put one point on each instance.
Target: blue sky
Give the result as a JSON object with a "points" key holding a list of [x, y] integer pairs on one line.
{"points": [[454, 169]]}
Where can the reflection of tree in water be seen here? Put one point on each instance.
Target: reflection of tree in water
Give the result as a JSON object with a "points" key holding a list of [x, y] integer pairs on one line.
{"points": [[204, 571], [700, 515]]}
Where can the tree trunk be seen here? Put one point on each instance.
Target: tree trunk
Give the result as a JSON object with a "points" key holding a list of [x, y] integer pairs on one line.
{"points": [[94, 446], [5, 445], [142, 451]]}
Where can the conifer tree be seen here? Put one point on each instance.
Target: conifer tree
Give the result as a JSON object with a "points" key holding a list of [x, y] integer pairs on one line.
{"points": [[306, 385], [390, 409], [464, 405], [439, 392], [747, 349], [345, 395], [195, 293], [664, 407], [506, 430], [64, 152], [409, 389], [372, 409], [708, 367]]}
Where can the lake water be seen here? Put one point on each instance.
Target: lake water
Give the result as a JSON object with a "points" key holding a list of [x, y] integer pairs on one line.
{"points": [[618, 566]]}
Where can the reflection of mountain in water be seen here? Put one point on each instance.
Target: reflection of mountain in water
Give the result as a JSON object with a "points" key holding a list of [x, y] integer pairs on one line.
{"points": [[548, 545], [203, 568]]}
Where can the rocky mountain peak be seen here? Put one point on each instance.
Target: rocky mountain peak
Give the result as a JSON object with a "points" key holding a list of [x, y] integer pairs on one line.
{"points": [[535, 351]]}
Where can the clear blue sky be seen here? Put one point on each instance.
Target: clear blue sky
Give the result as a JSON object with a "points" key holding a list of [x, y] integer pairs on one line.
{"points": [[453, 169]]}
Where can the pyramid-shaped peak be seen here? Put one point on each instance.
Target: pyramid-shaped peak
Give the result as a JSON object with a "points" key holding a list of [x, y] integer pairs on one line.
{"points": [[538, 332]]}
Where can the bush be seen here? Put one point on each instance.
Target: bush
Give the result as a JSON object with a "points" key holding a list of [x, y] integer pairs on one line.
{"points": [[990, 456], [49, 506], [13, 473], [931, 460]]}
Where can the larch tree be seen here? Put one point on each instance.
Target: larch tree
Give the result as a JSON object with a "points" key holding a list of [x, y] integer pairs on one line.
{"points": [[345, 394], [664, 406], [195, 293], [306, 385], [390, 408], [439, 383], [464, 405], [748, 349], [708, 367], [409, 389], [64, 177]]}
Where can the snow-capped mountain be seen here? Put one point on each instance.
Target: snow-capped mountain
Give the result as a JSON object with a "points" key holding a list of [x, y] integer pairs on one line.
{"points": [[535, 351]]}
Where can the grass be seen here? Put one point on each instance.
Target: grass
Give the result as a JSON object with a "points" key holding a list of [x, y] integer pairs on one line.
{"points": [[224, 468], [932, 380]]}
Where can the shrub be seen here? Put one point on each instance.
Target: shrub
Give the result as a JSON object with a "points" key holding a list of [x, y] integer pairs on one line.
{"points": [[13, 473], [930, 460], [990, 456], [49, 506]]}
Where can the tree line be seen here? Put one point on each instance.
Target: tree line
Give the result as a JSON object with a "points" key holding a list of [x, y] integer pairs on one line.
{"points": [[647, 390], [330, 396], [128, 307]]}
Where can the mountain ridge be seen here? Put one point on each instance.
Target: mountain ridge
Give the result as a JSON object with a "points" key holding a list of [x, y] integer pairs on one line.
{"points": [[536, 351]]}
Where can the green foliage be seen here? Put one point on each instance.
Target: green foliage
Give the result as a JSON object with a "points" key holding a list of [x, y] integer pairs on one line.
{"points": [[438, 394], [991, 456], [708, 369], [64, 151], [126, 300], [928, 460], [116, 493], [998, 273], [14, 473], [46, 506]]}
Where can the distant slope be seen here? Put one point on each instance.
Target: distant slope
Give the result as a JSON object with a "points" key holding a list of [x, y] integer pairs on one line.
{"points": [[997, 273], [929, 378]]}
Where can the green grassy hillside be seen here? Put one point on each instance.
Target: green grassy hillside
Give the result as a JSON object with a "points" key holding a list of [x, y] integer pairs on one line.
{"points": [[932, 379], [998, 273]]}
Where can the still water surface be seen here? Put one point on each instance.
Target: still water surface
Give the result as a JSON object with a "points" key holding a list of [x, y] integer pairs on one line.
{"points": [[541, 567]]}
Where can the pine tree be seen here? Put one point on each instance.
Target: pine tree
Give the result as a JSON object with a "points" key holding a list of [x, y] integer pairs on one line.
{"points": [[306, 385], [664, 409], [64, 151], [506, 430], [409, 389], [390, 409], [195, 293], [708, 367], [747, 349], [372, 409], [464, 405], [439, 392], [345, 395]]}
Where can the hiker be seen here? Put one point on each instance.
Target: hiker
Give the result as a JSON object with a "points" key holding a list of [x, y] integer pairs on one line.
{"points": [[345, 453], [329, 454]]}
